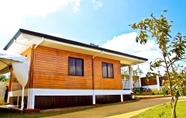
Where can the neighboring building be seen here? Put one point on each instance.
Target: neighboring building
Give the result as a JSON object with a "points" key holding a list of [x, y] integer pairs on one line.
{"points": [[152, 82], [68, 73]]}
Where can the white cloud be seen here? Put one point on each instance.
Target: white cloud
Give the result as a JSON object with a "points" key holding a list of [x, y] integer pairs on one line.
{"points": [[14, 12], [126, 43], [96, 4], [76, 5]]}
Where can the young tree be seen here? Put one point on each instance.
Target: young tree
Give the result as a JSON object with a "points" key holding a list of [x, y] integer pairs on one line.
{"points": [[2, 78], [173, 50], [135, 72]]}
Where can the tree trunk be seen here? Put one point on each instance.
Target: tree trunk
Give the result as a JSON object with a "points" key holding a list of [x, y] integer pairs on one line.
{"points": [[173, 104]]}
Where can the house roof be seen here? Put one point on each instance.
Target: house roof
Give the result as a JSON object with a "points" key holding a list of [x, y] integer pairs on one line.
{"points": [[24, 39]]}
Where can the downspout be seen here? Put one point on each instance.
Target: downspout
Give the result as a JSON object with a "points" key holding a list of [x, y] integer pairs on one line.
{"points": [[93, 84], [42, 39], [93, 72], [30, 102], [34, 46], [31, 96], [94, 97]]}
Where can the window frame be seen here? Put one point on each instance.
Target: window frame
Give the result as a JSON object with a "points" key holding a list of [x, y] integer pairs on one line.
{"points": [[75, 73], [105, 71]]}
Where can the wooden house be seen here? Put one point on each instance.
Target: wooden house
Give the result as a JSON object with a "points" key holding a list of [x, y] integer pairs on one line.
{"points": [[153, 83], [65, 73]]}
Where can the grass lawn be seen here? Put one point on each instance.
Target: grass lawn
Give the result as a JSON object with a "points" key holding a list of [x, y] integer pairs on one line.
{"points": [[164, 111]]}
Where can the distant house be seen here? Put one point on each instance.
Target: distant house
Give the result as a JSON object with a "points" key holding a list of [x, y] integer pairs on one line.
{"points": [[153, 82], [67, 73]]}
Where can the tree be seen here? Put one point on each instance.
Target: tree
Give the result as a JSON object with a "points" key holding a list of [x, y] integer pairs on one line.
{"points": [[172, 49], [135, 72], [3, 78]]}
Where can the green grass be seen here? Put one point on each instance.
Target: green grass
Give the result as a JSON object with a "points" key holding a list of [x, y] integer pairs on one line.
{"points": [[164, 111]]}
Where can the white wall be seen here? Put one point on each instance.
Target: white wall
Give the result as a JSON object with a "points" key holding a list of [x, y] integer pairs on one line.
{"points": [[151, 87]]}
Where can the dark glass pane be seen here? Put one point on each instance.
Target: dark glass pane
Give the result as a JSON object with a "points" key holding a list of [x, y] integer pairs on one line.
{"points": [[104, 69], [71, 66], [79, 67], [110, 71]]}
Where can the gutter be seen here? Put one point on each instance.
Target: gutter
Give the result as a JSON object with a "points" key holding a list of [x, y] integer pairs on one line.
{"points": [[42, 39], [62, 40]]}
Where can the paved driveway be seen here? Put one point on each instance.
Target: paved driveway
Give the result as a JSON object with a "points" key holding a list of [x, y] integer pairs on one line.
{"points": [[116, 111]]}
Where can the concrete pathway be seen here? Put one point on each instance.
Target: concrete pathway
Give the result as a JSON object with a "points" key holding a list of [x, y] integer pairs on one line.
{"points": [[116, 111]]}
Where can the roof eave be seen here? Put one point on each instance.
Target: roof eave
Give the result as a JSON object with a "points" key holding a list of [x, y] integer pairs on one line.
{"points": [[70, 42]]}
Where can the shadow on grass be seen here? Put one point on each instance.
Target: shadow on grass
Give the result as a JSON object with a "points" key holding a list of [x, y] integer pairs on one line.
{"points": [[7, 110], [11, 113]]}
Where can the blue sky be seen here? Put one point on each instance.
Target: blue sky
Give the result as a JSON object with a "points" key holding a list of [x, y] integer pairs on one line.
{"points": [[102, 22]]}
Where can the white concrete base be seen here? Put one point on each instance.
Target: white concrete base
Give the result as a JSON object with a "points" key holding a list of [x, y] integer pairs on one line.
{"points": [[31, 93]]}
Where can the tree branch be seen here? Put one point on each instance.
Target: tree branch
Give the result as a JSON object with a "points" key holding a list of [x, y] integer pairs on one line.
{"points": [[175, 61]]}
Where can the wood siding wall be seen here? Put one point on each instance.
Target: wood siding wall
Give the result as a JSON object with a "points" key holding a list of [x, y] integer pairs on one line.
{"points": [[107, 83], [50, 70], [150, 81], [44, 102], [103, 99], [161, 80]]}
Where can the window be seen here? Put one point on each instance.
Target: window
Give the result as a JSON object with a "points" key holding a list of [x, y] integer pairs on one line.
{"points": [[107, 70], [75, 66]]}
